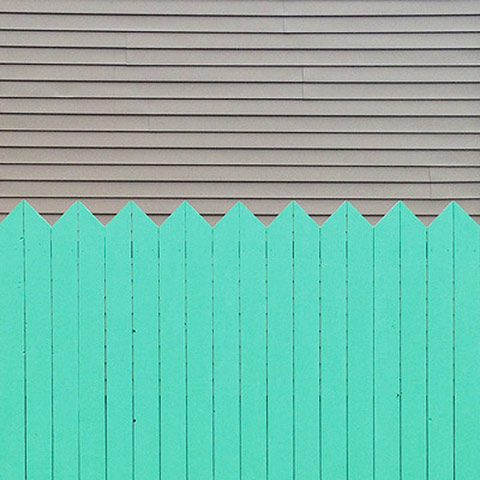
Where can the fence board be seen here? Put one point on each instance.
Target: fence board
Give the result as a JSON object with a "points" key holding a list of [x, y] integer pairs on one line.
{"points": [[280, 461], [239, 351], [119, 346], [440, 346], [91, 344], [226, 344], [306, 344], [146, 392], [387, 345], [359, 264], [38, 347], [65, 335], [199, 315], [413, 375], [467, 343], [173, 427], [12, 347], [253, 341], [333, 372]]}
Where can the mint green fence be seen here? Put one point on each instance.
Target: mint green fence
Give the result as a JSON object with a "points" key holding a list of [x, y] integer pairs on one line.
{"points": [[239, 352]]}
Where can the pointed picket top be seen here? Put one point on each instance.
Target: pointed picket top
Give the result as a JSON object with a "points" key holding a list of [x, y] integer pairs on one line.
{"points": [[353, 215], [14, 216], [231, 218], [124, 215], [392, 216], [445, 217], [138, 215], [285, 217], [69, 217], [247, 217], [86, 216], [300, 216], [461, 216], [192, 216], [33, 217], [338, 216], [178, 215]]}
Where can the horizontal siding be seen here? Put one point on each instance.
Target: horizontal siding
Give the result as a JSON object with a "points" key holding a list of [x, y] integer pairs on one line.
{"points": [[372, 101]]}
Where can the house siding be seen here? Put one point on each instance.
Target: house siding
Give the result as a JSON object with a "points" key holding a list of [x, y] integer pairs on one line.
{"points": [[259, 101]]}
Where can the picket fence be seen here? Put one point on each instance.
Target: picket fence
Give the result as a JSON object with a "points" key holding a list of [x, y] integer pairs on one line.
{"points": [[239, 351]]}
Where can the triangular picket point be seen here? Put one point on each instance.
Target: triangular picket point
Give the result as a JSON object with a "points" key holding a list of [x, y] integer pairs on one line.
{"points": [[284, 219], [346, 209], [301, 217], [247, 217], [338, 219], [230, 220]]}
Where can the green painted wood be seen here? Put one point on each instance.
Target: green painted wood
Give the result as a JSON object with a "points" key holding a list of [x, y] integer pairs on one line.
{"points": [[12, 359], [413, 372], [280, 345], [359, 261], [65, 336], [119, 321], [387, 344], [467, 344], [440, 429], [91, 345], [173, 427], [38, 347], [239, 351], [199, 317], [146, 390], [226, 346], [253, 340], [306, 360], [333, 323]]}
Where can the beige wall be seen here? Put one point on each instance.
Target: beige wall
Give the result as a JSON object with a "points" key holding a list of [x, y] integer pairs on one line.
{"points": [[261, 101]]}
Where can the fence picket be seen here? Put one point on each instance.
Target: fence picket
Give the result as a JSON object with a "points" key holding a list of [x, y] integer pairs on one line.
{"points": [[173, 428], [226, 344], [65, 336], [253, 340], [333, 372], [12, 347], [280, 345], [306, 268], [387, 344], [146, 394], [199, 344], [91, 344], [413, 342], [360, 344], [119, 346], [467, 344], [38, 348], [440, 346]]}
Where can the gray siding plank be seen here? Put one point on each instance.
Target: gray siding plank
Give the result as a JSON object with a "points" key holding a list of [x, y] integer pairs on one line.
{"points": [[188, 156]]}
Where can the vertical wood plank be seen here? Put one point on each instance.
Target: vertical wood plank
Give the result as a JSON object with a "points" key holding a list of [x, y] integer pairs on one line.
{"points": [[12, 372], [440, 346], [38, 346], [119, 346], [280, 345], [333, 370], [467, 344], [306, 299], [91, 344], [199, 345], [413, 345], [172, 347], [146, 395], [226, 346], [360, 345], [65, 345], [253, 340], [387, 344]]}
